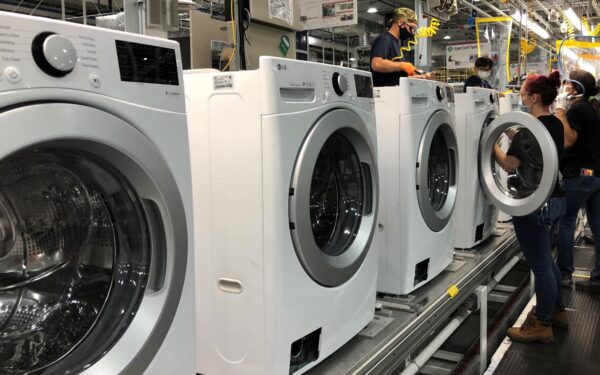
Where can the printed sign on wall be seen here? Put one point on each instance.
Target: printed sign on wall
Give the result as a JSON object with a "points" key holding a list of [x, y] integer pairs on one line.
{"points": [[319, 14], [459, 56]]}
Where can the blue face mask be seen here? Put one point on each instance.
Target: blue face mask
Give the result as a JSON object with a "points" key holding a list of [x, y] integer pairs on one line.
{"points": [[523, 108]]}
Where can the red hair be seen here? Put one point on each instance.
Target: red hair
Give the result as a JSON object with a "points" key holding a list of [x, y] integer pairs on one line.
{"points": [[545, 86]]}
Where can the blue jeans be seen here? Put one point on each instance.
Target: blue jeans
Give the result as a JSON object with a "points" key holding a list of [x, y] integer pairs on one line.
{"points": [[580, 190], [534, 232]]}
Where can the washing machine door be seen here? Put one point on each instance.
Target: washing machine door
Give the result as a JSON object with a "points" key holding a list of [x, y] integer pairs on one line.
{"points": [[436, 171], [333, 198], [93, 242], [523, 190]]}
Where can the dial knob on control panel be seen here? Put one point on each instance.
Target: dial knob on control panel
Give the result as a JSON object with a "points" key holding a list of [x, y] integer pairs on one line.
{"points": [[439, 93], [54, 54], [340, 83]]}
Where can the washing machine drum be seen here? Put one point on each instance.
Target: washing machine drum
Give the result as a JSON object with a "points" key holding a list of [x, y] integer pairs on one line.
{"points": [[73, 259]]}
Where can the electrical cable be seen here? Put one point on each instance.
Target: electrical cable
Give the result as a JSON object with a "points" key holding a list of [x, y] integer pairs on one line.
{"points": [[422, 32], [528, 46], [233, 36], [425, 32], [570, 28], [586, 27]]}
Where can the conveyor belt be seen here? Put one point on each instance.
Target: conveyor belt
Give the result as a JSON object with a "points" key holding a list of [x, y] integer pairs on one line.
{"points": [[411, 328], [574, 351]]}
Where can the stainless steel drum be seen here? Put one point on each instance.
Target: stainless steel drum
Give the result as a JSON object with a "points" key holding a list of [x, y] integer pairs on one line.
{"points": [[73, 257]]}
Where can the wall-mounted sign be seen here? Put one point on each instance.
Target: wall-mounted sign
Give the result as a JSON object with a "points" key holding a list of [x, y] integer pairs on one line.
{"points": [[319, 14], [460, 56]]}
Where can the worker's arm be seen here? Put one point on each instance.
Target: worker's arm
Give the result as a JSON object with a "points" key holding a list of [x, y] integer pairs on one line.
{"points": [[508, 162], [381, 65], [570, 133]]}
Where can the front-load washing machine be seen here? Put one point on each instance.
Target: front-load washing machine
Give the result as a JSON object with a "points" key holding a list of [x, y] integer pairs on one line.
{"points": [[96, 259], [418, 161], [475, 217], [285, 202], [509, 103], [517, 192]]}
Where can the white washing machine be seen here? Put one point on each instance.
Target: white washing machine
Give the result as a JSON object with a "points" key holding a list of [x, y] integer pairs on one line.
{"points": [[418, 164], [517, 192], [509, 103], [286, 203], [475, 217], [96, 261]]}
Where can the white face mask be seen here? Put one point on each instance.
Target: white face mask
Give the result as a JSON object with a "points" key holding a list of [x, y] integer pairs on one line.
{"points": [[483, 75]]}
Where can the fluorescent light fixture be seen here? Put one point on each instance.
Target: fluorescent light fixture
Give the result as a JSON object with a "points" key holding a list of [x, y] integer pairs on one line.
{"points": [[447, 37], [525, 22], [568, 53], [372, 8], [570, 13]]}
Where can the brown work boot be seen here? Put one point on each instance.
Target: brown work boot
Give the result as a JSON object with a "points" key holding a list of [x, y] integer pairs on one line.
{"points": [[532, 330], [559, 318]]}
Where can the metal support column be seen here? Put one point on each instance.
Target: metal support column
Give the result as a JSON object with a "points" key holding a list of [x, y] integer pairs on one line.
{"points": [[134, 16], [424, 47], [323, 46], [238, 41], [333, 45], [84, 11], [482, 296]]}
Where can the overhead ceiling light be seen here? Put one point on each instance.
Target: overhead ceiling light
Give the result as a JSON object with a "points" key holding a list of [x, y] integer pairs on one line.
{"points": [[372, 8], [570, 13], [567, 52], [525, 22]]}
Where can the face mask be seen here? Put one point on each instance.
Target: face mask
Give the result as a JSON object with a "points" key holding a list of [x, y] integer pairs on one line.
{"points": [[405, 34], [483, 75]]}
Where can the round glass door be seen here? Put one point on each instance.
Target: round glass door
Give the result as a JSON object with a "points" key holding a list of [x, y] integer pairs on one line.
{"points": [[523, 179], [337, 196], [73, 232], [333, 198], [89, 278], [436, 171]]}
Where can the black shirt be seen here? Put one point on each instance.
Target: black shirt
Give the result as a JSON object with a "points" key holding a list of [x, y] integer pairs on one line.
{"points": [[475, 81], [387, 47], [525, 148], [585, 152]]}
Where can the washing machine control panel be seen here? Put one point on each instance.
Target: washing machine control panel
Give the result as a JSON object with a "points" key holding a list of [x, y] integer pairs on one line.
{"points": [[429, 93], [304, 84], [340, 83], [484, 100], [54, 54], [47, 54]]}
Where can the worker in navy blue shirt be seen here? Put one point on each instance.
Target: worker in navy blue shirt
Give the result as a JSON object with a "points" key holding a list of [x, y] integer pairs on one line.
{"points": [[483, 71], [387, 63]]}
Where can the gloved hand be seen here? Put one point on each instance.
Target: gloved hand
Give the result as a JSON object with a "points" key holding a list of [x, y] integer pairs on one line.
{"points": [[561, 101], [408, 68]]}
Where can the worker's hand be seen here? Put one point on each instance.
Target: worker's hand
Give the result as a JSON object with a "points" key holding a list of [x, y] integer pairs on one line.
{"points": [[430, 75], [562, 102], [408, 68]]}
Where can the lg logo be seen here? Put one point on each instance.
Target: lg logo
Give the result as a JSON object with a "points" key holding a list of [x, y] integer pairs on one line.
{"points": [[281, 67]]}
